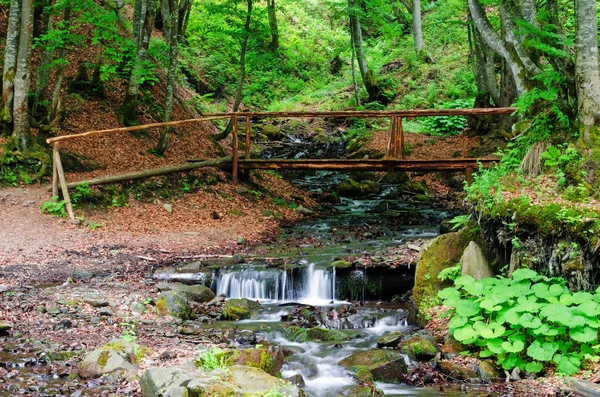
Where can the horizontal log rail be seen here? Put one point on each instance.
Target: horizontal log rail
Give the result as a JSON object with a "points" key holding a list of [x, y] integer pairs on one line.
{"points": [[374, 113], [393, 160]]}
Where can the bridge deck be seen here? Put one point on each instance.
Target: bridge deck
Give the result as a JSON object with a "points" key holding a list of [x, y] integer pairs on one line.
{"points": [[443, 165]]}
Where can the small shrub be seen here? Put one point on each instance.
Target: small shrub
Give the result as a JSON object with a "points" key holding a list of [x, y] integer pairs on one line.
{"points": [[448, 125], [54, 207], [213, 358]]}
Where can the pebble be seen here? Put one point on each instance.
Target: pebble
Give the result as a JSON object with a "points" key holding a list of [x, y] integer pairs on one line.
{"points": [[105, 312]]}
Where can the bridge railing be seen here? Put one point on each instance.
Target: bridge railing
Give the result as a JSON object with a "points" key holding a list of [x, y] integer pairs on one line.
{"points": [[394, 150]]}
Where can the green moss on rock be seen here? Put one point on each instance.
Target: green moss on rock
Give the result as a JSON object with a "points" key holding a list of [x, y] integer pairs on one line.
{"points": [[316, 334], [238, 309], [418, 348]]}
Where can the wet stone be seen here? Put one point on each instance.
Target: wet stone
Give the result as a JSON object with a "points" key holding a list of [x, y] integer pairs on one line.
{"points": [[96, 302], [106, 312]]}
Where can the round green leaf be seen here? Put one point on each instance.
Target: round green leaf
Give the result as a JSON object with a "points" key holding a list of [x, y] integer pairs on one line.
{"points": [[467, 308], [514, 347], [492, 330], [584, 334], [534, 367], [556, 290], [523, 274], [457, 322], [495, 345], [541, 351], [567, 364], [557, 312], [528, 321], [465, 334], [486, 353]]}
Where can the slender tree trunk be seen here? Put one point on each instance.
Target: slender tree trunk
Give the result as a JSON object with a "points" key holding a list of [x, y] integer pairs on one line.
{"points": [[242, 78], [273, 24], [42, 77], [60, 73], [23, 76], [417, 30], [173, 21], [366, 75], [354, 81], [185, 7], [587, 75], [145, 11], [10, 62]]}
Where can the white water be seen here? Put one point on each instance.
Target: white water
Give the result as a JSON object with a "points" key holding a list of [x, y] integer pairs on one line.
{"points": [[317, 286]]}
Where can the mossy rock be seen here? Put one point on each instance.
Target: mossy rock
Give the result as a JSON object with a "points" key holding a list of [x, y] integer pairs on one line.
{"points": [[268, 360], [194, 293], [331, 198], [395, 178], [452, 347], [418, 348], [174, 304], [116, 356], [456, 370], [353, 189], [317, 334], [239, 309], [341, 264], [272, 132], [365, 391], [391, 339], [443, 252], [384, 365], [414, 187]]}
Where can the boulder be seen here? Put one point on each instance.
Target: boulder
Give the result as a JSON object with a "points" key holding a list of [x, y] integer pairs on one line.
{"points": [[443, 252], [238, 309], [269, 360], [316, 334], [352, 189], [117, 356], [474, 263], [174, 304], [488, 371], [96, 302], [457, 371], [272, 132], [395, 178], [156, 382], [194, 293], [391, 339], [365, 391], [452, 347], [418, 348], [384, 365], [331, 198]]}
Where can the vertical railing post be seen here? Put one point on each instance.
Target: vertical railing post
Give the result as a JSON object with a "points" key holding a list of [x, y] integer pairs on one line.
{"points": [[63, 181], [469, 175], [400, 137], [54, 172], [235, 149], [389, 152], [247, 137]]}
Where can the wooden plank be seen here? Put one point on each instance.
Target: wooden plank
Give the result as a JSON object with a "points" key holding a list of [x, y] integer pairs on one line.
{"points": [[135, 128], [446, 165], [247, 148], [234, 172], [375, 113], [153, 172], [63, 184], [54, 170], [401, 137], [389, 151]]}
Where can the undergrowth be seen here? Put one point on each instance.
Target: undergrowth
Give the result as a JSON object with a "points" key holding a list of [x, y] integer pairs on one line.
{"points": [[529, 321]]}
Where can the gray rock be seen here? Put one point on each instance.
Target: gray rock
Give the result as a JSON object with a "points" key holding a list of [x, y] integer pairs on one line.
{"points": [[3, 288], [474, 263], [137, 308], [116, 356], [303, 210], [297, 380], [194, 293], [96, 302], [168, 208], [106, 312], [173, 303], [391, 339], [156, 382]]}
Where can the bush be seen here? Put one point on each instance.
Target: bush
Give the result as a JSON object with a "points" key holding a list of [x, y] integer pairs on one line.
{"points": [[448, 125], [526, 321]]}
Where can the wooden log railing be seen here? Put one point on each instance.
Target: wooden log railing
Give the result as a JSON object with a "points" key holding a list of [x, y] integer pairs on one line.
{"points": [[393, 160]]}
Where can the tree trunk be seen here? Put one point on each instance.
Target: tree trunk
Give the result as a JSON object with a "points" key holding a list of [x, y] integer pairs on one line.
{"points": [[10, 62], [23, 76], [60, 73], [145, 11], [354, 81], [587, 75], [185, 7], [417, 31], [273, 24], [173, 22], [366, 75], [242, 78], [42, 77]]}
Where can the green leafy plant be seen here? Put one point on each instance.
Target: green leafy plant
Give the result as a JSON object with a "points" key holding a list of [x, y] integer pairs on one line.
{"points": [[459, 221], [54, 207], [82, 192], [448, 125], [213, 358], [528, 321], [450, 273]]}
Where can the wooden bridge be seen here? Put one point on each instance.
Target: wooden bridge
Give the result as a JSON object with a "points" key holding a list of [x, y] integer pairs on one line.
{"points": [[394, 159]]}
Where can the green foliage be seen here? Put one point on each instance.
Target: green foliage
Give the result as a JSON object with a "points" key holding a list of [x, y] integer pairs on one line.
{"points": [[448, 125], [82, 192], [54, 207], [459, 221], [23, 166], [213, 358], [526, 321], [450, 273]]}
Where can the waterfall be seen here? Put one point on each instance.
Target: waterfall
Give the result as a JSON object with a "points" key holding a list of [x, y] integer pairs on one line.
{"points": [[316, 286]]}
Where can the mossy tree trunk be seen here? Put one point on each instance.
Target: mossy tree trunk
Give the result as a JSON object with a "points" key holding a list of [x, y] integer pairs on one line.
{"points": [[171, 19], [23, 76], [143, 24], [10, 64], [273, 24], [242, 77], [417, 29], [55, 105]]}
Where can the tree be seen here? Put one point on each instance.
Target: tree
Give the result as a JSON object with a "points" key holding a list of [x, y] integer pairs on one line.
{"points": [[10, 63], [586, 65], [417, 31], [23, 76], [143, 24], [242, 76], [273, 24]]}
